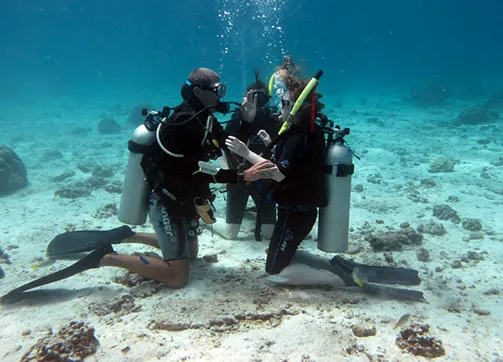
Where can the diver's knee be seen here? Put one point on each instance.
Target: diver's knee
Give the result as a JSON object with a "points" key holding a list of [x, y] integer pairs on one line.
{"points": [[178, 275], [178, 281]]}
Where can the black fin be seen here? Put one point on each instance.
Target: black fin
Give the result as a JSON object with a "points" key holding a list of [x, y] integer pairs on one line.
{"points": [[90, 261], [378, 274], [398, 293], [86, 240]]}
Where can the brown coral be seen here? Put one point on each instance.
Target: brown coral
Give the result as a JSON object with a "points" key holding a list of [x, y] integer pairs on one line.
{"points": [[72, 343], [415, 340]]}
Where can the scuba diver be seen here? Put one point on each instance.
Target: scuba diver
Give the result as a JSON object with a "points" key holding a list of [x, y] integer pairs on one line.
{"points": [[311, 174], [254, 115], [163, 180]]}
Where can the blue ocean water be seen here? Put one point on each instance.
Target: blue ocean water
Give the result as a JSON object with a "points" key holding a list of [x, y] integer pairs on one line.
{"points": [[63, 47], [419, 82]]}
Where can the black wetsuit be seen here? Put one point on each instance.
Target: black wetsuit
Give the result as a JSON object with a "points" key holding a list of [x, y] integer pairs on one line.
{"points": [[237, 194], [301, 159], [175, 182]]}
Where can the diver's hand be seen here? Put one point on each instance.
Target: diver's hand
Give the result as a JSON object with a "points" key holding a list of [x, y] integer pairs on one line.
{"points": [[249, 106], [262, 170], [264, 136], [237, 147]]}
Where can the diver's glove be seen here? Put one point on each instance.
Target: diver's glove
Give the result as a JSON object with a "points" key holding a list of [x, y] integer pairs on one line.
{"points": [[237, 146], [249, 106], [264, 136]]}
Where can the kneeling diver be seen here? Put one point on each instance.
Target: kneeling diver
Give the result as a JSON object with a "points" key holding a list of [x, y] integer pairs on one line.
{"points": [[311, 175]]}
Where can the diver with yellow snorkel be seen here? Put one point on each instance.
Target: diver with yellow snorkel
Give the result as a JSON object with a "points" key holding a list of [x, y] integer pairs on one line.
{"points": [[299, 189], [314, 173]]}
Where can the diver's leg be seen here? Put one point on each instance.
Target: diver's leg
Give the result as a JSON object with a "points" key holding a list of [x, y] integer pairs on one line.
{"points": [[173, 273], [237, 197], [268, 218], [266, 210], [149, 239], [322, 263], [292, 227], [175, 241]]}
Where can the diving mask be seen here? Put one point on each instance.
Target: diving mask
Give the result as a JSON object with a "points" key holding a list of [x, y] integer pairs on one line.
{"points": [[218, 88]]}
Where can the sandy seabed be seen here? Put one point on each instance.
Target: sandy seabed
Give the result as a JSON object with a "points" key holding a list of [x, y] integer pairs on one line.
{"points": [[230, 311]]}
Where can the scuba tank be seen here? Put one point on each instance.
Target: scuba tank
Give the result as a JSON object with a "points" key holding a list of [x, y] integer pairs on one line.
{"points": [[333, 226], [133, 207]]}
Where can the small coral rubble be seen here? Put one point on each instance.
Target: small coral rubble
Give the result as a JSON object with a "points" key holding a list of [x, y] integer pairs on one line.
{"points": [[120, 306], [445, 212], [72, 343], [394, 240], [472, 224], [442, 165], [432, 228], [416, 340]]}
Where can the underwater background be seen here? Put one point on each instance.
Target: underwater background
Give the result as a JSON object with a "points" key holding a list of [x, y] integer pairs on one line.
{"points": [[113, 48], [420, 84]]}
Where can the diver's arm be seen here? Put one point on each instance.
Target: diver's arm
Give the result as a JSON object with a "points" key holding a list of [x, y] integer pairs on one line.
{"points": [[238, 128], [242, 150], [262, 170], [288, 160]]}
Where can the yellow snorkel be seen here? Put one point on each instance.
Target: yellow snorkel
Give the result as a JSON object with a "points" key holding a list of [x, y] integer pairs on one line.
{"points": [[271, 84], [309, 87]]}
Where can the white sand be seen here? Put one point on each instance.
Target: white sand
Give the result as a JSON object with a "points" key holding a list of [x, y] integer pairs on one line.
{"points": [[298, 324]]}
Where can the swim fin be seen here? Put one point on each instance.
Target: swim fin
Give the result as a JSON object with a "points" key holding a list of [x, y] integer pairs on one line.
{"points": [[367, 277], [378, 274], [399, 293], [90, 261], [74, 242]]}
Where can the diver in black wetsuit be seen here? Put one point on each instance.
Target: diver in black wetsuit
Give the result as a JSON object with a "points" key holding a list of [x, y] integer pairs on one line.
{"points": [[180, 194], [300, 189], [254, 115], [299, 195]]}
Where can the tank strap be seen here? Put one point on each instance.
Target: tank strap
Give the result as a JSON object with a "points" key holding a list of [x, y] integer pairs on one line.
{"points": [[342, 170], [137, 148]]}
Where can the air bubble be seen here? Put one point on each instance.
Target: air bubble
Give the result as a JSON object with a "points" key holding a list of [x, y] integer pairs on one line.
{"points": [[254, 24]]}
